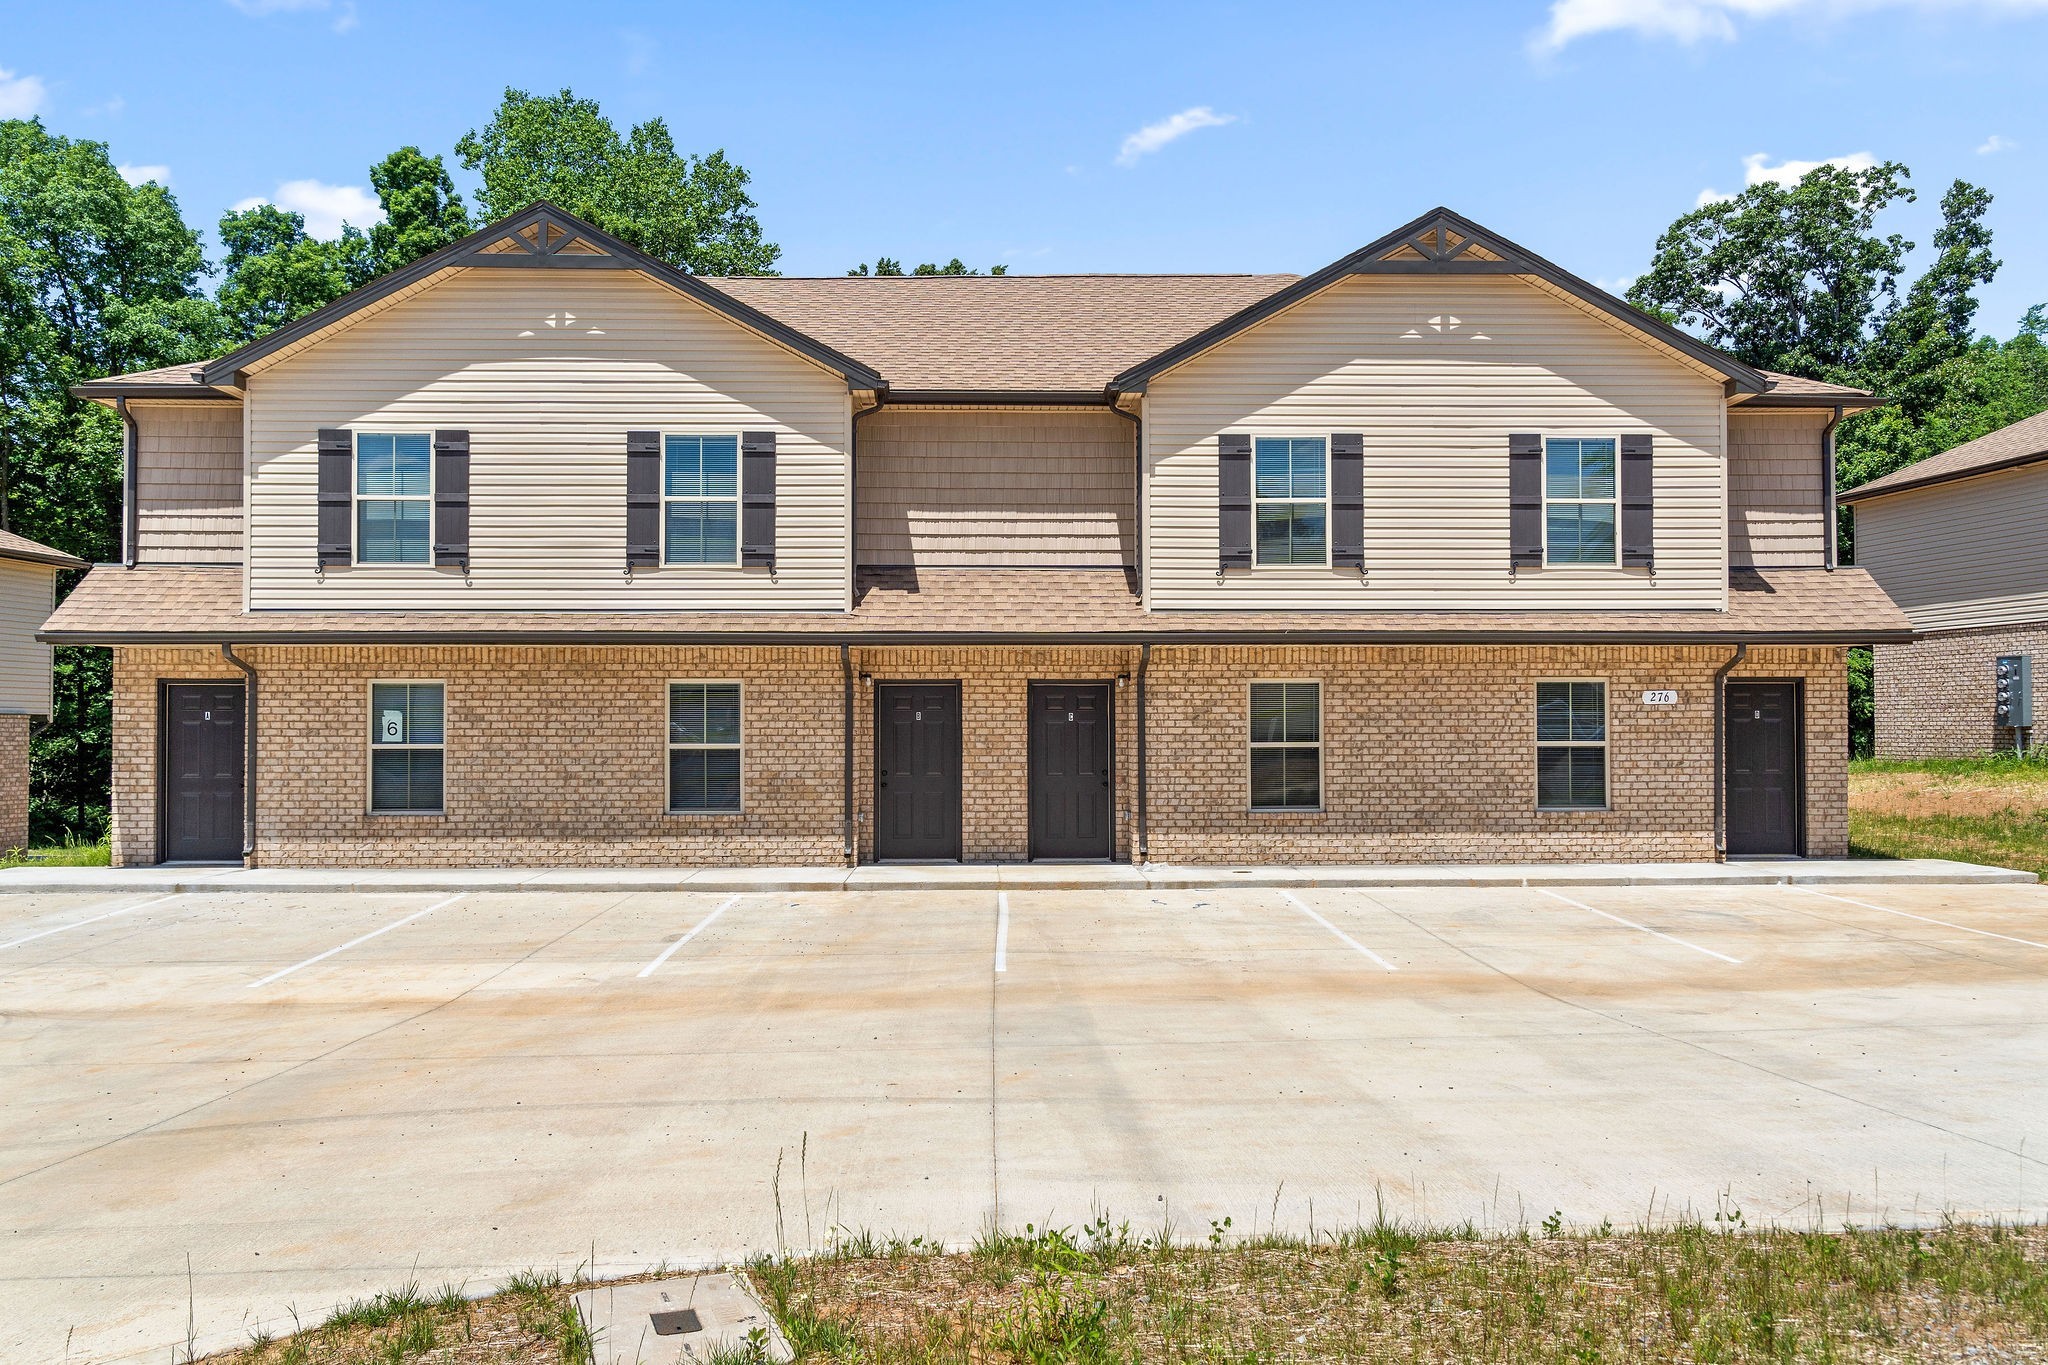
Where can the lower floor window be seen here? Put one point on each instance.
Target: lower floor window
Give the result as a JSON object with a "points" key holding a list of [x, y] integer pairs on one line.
{"points": [[704, 746], [1287, 745], [1571, 745], [405, 746]]}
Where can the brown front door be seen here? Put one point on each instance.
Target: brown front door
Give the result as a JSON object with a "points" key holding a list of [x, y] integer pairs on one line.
{"points": [[202, 777], [917, 770], [1764, 780], [1070, 777]]}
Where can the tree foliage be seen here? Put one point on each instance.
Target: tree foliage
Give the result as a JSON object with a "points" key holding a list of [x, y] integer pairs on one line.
{"points": [[275, 273], [1784, 277], [889, 265], [422, 211], [690, 211]]}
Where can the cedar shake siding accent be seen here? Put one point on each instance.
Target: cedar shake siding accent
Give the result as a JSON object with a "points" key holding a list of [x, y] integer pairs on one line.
{"points": [[1962, 555], [1437, 372], [1777, 489], [188, 476], [996, 487], [27, 593], [547, 370]]}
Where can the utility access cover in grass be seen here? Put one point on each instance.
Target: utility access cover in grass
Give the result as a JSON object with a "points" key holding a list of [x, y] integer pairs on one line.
{"points": [[670, 1322]]}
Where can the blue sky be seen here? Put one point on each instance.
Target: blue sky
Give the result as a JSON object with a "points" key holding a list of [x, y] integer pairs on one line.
{"points": [[1055, 137]]}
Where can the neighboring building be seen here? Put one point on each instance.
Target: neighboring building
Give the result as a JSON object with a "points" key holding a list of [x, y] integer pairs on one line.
{"points": [[540, 551], [1960, 541], [28, 589]]}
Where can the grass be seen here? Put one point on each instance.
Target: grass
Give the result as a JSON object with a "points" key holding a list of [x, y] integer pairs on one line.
{"points": [[1992, 809], [1703, 1292], [71, 853]]}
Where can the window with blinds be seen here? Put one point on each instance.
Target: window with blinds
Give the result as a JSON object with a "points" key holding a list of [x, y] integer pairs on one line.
{"points": [[703, 747], [1571, 745], [406, 747], [1286, 746]]}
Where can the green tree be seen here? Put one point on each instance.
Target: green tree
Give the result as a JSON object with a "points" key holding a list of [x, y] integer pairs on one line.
{"points": [[888, 265], [1917, 340], [1788, 278], [96, 277], [422, 211], [274, 272], [690, 211]]}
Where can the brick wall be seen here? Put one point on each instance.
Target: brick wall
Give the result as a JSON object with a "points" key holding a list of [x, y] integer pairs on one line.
{"points": [[1934, 696], [13, 782], [558, 755]]}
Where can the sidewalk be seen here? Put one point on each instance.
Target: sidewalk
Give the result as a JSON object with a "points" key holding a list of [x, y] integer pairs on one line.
{"points": [[997, 876]]}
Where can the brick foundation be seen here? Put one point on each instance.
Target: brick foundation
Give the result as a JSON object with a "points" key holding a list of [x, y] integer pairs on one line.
{"points": [[557, 755], [13, 782], [1934, 696]]}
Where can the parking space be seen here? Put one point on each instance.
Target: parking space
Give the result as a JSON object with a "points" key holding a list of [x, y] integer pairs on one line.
{"points": [[321, 1095]]}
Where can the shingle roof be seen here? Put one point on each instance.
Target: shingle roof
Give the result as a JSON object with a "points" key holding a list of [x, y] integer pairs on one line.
{"points": [[167, 381], [203, 603], [2021, 443], [13, 546], [1005, 333], [1787, 390]]}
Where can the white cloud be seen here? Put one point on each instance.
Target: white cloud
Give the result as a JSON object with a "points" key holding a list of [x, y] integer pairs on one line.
{"points": [[20, 96], [1693, 21], [1757, 170], [325, 207], [143, 175], [1995, 143], [344, 13], [1153, 136]]}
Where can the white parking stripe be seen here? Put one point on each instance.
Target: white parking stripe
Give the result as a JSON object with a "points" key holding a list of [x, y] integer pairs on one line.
{"points": [[1924, 919], [92, 919], [702, 925], [1310, 911], [1655, 933], [1002, 930], [322, 957]]}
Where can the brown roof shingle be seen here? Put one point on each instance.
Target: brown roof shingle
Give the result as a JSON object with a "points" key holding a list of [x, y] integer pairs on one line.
{"points": [[203, 603], [2024, 441], [1787, 390], [13, 546]]}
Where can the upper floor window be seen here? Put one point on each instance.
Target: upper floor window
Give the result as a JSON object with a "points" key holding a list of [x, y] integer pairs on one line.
{"points": [[1291, 499], [700, 490], [1578, 500], [394, 498]]}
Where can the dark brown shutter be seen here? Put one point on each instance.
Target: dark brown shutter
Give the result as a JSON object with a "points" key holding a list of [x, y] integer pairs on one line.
{"points": [[1638, 501], [1525, 501], [757, 498], [336, 540], [643, 499], [1233, 501], [451, 499], [1347, 499]]}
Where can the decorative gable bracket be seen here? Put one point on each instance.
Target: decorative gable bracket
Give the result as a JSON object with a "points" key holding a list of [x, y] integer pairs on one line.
{"points": [[540, 238], [1439, 247]]}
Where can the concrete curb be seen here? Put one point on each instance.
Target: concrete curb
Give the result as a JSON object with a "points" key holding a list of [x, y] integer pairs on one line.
{"points": [[1001, 877]]}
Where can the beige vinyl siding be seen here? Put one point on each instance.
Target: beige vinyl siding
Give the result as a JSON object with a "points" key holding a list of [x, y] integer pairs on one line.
{"points": [[1777, 489], [27, 596], [1969, 553], [992, 487], [188, 480], [1436, 371], [547, 370]]}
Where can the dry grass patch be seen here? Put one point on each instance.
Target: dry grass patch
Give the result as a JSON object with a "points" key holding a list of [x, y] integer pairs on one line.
{"points": [[1988, 810], [1102, 1295]]}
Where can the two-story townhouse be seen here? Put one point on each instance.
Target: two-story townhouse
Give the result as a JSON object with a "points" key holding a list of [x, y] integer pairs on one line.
{"points": [[541, 551], [1957, 540]]}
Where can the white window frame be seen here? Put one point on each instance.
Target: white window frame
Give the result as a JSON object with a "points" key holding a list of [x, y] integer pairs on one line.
{"points": [[1603, 744], [371, 747], [668, 764], [1322, 776], [1323, 502], [739, 460], [1614, 502], [356, 498]]}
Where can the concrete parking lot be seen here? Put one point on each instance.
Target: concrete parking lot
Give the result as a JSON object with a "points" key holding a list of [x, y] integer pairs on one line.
{"points": [[317, 1096]]}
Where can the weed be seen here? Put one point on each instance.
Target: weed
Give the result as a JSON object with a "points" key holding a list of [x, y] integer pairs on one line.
{"points": [[1056, 1320]]}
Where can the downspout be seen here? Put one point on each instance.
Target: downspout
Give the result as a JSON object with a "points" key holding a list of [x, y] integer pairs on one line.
{"points": [[128, 455], [846, 712], [227, 652], [1720, 753], [1144, 841], [1827, 458]]}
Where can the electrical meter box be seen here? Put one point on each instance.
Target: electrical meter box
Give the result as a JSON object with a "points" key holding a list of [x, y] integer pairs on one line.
{"points": [[2013, 704]]}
